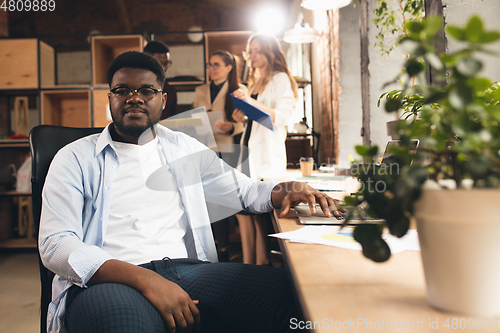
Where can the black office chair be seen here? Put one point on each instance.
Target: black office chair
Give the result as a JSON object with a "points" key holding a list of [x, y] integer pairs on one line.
{"points": [[45, 142]]}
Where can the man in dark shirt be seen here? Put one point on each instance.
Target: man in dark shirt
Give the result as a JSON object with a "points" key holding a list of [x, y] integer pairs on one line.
{"points": [[160, 52]]}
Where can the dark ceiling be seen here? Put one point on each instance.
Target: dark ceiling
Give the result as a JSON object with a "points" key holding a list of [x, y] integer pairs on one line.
{"points": [[138, 16]]}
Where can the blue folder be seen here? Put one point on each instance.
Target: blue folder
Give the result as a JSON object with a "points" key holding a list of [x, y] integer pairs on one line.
{"points": [[252, 112]]}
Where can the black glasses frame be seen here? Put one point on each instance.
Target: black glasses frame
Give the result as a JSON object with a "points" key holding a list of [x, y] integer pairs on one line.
{"points": [[135, 91]]}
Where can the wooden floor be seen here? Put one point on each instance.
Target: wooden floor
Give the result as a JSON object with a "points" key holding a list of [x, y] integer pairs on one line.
{"points": [[19, 293]]}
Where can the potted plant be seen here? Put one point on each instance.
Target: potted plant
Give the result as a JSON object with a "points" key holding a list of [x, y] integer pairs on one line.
{"points": [[390, 21], [451, 185]]}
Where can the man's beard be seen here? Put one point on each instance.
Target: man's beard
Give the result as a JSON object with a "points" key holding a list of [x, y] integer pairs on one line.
{"points": [[135, 130]]}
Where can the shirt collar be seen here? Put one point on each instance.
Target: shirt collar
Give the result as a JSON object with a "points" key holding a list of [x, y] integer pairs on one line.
{"points": [[103, 140], [105, 137]]}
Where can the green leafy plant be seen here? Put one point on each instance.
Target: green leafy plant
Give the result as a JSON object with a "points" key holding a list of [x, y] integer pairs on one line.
{"points": [[409, 104], [458, 129], [391, 19]]}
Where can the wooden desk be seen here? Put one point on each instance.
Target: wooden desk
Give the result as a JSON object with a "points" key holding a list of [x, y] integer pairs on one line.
{"points": [[339, 289]]}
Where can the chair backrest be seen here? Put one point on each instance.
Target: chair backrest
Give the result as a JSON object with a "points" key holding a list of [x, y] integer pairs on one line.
{"points": [[45, 142]]}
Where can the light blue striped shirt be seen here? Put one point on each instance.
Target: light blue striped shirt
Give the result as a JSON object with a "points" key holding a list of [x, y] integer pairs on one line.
{"points": [[76, 203]]}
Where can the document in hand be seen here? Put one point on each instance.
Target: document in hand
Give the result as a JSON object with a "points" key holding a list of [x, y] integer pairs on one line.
{"points": [[252, 112]]}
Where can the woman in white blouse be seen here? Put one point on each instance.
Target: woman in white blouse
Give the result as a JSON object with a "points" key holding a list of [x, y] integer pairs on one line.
{"points": [[272, 89]]}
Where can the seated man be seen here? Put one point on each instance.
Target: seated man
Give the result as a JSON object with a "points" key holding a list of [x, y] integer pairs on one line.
{"points": [[130, 258]]}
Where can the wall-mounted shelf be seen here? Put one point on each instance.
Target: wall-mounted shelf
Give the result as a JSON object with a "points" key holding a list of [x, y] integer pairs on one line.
{"points": [[14, 143], [106, 48], [26, 63], [18, 243], [66, 108]]}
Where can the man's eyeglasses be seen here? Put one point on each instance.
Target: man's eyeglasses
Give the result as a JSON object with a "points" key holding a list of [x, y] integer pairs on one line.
{"points": [[144, 93], [214, 66]]}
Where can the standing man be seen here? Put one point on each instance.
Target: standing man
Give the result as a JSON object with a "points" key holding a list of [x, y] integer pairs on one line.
{"points": [[132, 249], [160, 52]]}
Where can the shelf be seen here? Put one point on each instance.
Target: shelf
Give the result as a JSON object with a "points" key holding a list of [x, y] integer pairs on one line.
{"points": [[20, 91], [15, 194], [13, 143], [106, 48], [100, 107], [66, 87], [185, 86], [188, 83], [18, 243], [20, 67], [66, 108]]}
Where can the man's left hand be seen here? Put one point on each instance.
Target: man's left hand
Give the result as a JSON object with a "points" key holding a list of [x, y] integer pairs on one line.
{"points": [[289, 194]]}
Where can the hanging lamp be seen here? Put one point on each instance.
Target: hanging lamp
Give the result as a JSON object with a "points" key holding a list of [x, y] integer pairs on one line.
{"points": [[324, 4], [301, 34]]}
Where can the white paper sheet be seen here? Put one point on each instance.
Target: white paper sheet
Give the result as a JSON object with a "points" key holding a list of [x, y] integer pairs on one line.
{"points": [[335, 236]]}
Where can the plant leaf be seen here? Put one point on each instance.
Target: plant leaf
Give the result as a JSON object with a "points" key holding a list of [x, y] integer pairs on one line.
{"points": [[414, 27], [434, 61], [460, 97], [414, 67], [412, 47], [456, 32], [474, 29], [373, 151], [468, 67], [366, 233], [392, 104], [377, 250], [432, 25], [362, 150], [489, 37], [480, 84]]}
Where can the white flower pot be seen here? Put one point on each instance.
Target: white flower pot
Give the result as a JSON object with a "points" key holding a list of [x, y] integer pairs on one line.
{"points": [[459, 233]]}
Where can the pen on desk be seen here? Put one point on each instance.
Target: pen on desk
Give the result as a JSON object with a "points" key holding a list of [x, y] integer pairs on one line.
{"points": [[351, 159]]}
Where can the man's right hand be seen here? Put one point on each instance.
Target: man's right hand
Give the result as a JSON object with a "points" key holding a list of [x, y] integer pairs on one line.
{"points": [[175, 306]]}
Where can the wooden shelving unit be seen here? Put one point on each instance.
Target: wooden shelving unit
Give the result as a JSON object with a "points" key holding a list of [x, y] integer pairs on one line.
{"points": [[26, 63], [14, 152], [106, 48], [66, 108], [101, 107]]}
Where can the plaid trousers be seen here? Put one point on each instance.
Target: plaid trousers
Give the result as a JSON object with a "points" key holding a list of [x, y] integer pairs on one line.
{"points": [[234, 298]]}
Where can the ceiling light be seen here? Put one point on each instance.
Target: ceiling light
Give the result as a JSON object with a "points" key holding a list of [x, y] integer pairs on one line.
{"points": [[195, 34], [270, 20], [324, 4], [301, 34]]}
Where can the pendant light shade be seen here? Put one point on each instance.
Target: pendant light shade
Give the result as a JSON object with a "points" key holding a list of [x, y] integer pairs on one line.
{"points": [[324, 4], [301, 34]]}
